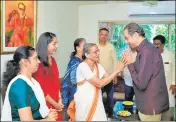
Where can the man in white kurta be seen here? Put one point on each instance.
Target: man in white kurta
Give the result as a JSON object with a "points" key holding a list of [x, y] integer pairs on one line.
{"points": [[85, 94], [129, 91], [169, 67]]}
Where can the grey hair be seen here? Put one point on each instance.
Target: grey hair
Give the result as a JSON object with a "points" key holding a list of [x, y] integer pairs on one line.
{"points": [[134, 27], [86, 49]]}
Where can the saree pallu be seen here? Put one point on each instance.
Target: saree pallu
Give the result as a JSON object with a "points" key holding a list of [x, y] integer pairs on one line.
{"points": [[87, 104]]}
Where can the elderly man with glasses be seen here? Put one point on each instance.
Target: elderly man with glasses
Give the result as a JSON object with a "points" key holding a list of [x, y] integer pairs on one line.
{"points": [[19, 28]]}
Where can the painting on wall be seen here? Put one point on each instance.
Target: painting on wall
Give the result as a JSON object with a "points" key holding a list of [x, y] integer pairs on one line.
{"points": [[18, 25]]}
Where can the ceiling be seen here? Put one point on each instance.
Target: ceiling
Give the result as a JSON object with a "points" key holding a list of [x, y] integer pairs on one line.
{"points": [[91, 2], [107, 1]]}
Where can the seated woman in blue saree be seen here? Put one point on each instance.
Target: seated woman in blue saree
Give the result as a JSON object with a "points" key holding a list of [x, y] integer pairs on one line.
{"points": [[69, 83]]}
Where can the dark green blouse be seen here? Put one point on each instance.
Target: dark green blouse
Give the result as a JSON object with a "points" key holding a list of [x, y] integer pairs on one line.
{"points": [[21, 95]]}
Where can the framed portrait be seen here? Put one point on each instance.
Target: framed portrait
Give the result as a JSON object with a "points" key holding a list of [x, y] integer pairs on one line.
{"points": [[18, 25]]}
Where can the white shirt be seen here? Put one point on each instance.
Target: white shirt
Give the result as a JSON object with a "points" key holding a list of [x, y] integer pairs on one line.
{"points": [[169, 66], [127, 76]]}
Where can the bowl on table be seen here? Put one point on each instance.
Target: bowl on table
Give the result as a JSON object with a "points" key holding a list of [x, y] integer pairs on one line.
{"points": [[124, 113], [128, 105]]}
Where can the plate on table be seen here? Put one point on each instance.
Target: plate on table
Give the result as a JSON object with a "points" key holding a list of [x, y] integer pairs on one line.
{"points": [[124, 113], [128, 103]]}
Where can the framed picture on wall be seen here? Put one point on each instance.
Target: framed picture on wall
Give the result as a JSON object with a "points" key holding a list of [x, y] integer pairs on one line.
{"points": [[18, 25]]}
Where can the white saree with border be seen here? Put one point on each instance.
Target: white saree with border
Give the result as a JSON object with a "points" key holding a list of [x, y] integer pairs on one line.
{"points": [[85, 94]]}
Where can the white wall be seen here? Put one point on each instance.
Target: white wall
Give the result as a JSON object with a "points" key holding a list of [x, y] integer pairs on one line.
{"points": [[61, 18], [90, 15]]}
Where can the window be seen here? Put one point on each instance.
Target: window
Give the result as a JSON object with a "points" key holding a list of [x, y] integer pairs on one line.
{"points": [[151, 30], [173, 31]]}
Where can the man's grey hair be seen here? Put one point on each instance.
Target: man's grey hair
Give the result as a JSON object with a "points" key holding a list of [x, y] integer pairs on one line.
{"points": [[86, 49], [134, 27]]}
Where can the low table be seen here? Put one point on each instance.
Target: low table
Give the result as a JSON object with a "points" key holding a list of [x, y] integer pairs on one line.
{"points": [[166, 116], [132, 117]]}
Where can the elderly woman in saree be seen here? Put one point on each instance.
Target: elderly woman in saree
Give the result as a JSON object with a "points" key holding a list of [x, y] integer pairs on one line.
{"points": [[91, 77], [69, 83]]}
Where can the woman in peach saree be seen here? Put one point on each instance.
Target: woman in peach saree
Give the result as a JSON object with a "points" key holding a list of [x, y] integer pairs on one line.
{"points": [[91, 76]]}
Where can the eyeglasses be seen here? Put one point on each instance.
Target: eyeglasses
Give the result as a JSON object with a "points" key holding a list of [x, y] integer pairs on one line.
{"points": [[21, 9], [157, 44], [95, 52], [126, 37]]}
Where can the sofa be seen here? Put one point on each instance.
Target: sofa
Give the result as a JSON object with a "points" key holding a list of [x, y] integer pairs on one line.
{"points": [[118, 90]]}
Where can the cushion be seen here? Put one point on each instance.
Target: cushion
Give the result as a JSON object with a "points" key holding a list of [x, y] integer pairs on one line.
{"points": [[119, 87]]}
